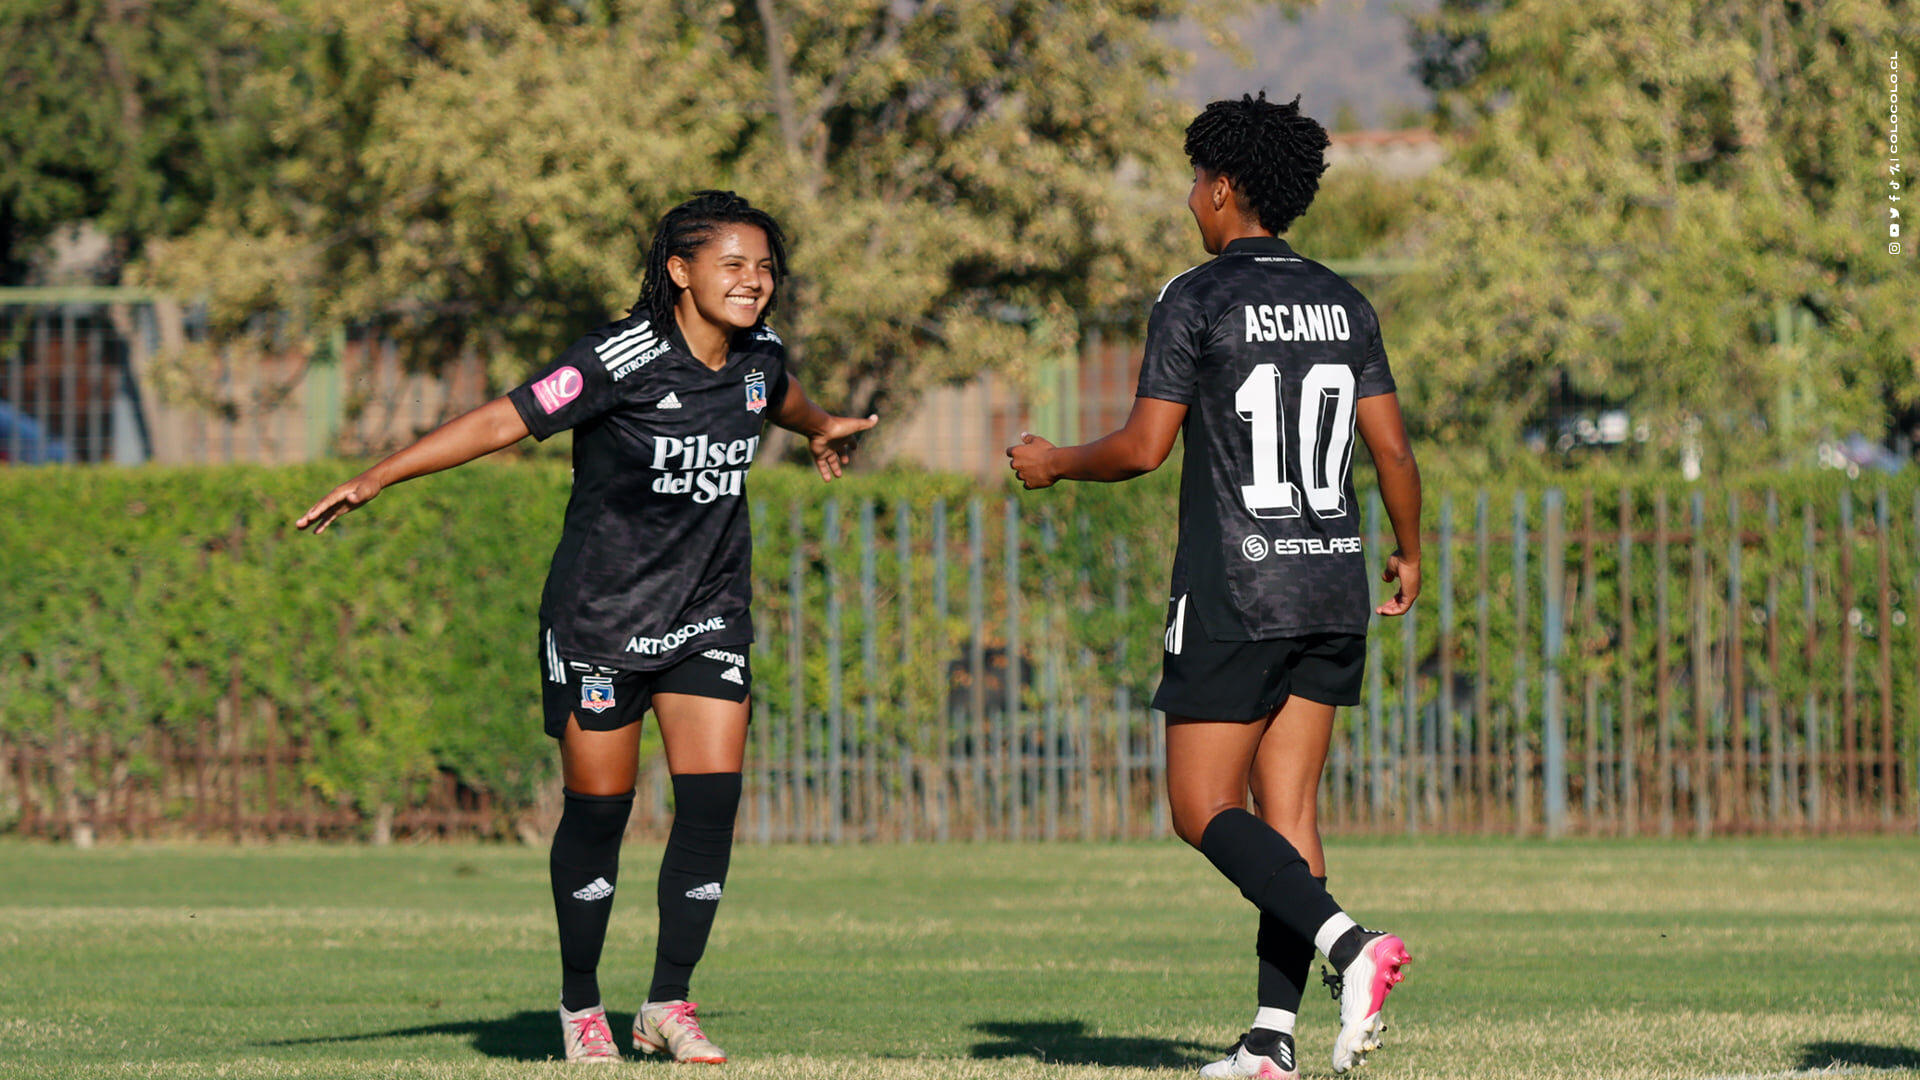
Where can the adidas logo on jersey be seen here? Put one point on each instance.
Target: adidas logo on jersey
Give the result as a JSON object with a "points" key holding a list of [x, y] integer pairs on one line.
{"points": [[671, 401], [709, 891], [599, 890], [732, 675]]}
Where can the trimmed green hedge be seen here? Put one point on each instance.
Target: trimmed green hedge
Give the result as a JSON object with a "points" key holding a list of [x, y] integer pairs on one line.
{"points": [[403, 642]]}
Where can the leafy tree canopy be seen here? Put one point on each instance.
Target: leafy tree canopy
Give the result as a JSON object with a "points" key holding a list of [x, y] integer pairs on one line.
{"points": [[1643, 195], [964, 184]]}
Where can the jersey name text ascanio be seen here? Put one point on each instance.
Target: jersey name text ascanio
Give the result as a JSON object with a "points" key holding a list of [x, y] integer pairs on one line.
{"points": [[1270, 353]]}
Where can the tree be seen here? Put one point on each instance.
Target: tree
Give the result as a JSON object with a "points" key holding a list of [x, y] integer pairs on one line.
{"points": [[964, 183], [118, 113], [968, 181], [1639, 192]]}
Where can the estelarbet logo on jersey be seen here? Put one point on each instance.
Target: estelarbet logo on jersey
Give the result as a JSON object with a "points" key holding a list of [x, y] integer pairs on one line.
{"points": [[1254, 548], [596, 693], [756, 391], [557, 389]]}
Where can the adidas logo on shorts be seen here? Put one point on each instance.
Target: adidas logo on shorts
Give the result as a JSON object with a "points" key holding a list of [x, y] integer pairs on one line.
{"points": [[599, 890], [732, 675], [709, 891]]}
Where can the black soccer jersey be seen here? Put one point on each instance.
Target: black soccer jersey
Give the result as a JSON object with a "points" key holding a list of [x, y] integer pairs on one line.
{"points": [[1269, 351], [655, 557]]}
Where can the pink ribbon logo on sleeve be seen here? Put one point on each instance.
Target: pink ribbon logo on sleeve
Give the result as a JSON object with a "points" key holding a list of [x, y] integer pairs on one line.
{"points": [[557, 389]]}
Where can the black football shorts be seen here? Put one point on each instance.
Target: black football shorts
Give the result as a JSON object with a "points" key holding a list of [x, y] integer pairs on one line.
{"points": [[1203, 679], [607, 699]]}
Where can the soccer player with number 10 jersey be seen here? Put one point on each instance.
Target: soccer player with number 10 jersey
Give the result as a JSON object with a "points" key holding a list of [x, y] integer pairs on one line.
{"points": [[1268, 363]]}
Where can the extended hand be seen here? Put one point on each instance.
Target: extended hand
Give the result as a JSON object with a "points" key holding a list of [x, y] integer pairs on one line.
{"points": [[834, 445], [1029, 461], [1407, 572], [351, 495]]}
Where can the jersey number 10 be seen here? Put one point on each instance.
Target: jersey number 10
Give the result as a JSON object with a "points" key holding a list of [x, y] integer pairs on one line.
{"points": [[1325, 441]]}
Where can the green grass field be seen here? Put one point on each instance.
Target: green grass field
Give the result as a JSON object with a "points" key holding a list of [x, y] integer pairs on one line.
{"points": [[1603, 959]]}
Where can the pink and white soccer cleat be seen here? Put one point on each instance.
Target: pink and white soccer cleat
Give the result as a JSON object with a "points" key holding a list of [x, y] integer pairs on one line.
{"points": [[1363, 992], [671, 1026], [586, 1036]]}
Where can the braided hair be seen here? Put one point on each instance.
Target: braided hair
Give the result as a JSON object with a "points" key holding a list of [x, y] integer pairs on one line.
{"points": [[1271, 153], [685, 230]]}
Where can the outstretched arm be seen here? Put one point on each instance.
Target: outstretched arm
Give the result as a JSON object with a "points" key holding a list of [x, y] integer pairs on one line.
{"points": [[831, 439], [1140, 445], [490, 427], [1386, 434]]}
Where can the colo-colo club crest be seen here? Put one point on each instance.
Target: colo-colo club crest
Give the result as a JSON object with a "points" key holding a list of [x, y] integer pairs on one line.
{"points": [[756, 391], [596, 693]]}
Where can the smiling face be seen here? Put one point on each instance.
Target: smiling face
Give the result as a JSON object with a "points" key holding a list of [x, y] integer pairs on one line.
{"points": [[729, 281]]}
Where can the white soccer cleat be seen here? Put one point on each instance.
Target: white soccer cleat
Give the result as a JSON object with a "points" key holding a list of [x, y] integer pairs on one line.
{"points": [[1244, 1061], [671, 1026], [587, 1037], [1364, 986]]}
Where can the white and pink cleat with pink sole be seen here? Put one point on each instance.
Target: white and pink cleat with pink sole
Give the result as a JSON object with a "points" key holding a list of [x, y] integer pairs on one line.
{"points": [[1364, 987]]}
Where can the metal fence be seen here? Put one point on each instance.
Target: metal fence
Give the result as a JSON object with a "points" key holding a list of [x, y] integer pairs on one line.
{"points": [[1640, 665], [1603, 663], [67, 389]]}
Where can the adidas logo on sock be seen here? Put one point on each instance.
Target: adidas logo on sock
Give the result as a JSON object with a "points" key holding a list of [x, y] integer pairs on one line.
{"points": [[709, 891], [599, 890], [671, 401], [732, 675]]}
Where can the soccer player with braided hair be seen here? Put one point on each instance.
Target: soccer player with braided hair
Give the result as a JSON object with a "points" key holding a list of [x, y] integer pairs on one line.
{"points": [[1268, 362], [646, 601]]}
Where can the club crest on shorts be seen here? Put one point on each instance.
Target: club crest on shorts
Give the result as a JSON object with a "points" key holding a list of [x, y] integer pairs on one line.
{"points": [[596, 693], [756, 391]]}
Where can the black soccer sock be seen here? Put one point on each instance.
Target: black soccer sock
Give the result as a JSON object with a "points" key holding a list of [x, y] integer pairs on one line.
{"points": [[1286, 962], [692, 873], [1269, 871], [584, 866]]}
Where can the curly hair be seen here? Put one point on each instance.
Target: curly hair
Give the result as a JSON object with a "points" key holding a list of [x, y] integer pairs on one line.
{"points": [[685, 229], [1271, 152]]}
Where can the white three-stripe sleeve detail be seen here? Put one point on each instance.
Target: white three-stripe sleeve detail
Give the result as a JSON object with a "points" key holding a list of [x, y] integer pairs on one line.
{"points": [[614, 357], [1179, 625], [614, 342], [1171, 280]]}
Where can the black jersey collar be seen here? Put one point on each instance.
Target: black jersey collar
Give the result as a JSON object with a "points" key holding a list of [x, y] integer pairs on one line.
{"points": [[678, 343], [1261, 244]]}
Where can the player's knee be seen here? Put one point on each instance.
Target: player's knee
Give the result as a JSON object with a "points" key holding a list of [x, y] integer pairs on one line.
{"points": [[1192, 816], [709, 800], [1297, 823], [599, 778]]}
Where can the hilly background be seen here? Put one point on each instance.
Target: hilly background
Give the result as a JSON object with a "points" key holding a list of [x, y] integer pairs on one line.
{"points": [[1350, 53]]}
